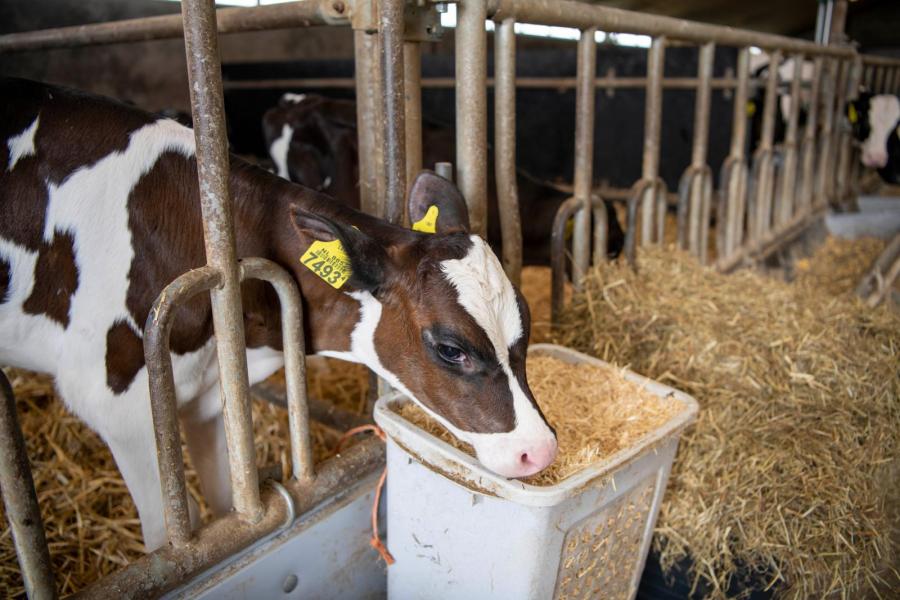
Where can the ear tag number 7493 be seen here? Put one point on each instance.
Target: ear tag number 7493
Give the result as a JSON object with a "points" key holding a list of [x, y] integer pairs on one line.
{"points": [[328, 261]]}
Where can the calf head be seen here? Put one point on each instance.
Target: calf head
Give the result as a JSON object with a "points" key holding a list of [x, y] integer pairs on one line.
{"points": [[440, 321], [874, 119]]}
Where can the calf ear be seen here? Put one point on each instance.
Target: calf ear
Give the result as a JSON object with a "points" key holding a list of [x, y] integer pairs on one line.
{"points": [[431, 190], [368, 259]]}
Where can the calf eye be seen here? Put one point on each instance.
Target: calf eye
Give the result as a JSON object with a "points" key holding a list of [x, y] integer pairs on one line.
{"points": [[451, 353]]}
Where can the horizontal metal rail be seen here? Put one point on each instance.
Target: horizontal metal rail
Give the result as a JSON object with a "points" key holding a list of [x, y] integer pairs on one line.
{"points": [[581, 15], [229, 20]]}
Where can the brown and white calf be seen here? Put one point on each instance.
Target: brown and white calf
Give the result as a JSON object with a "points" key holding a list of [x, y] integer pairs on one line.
{"points": [[99, 211]]}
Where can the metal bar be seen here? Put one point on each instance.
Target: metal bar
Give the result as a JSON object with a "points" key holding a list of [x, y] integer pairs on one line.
{"points": [[878, 85], [770, 243], [581, 15], [163, 401], [394, 112], [874, 59], [845, 141], [550, 83], [652, 127], [784, 209], [205, 82], [294, 349], [505, 155], [879, 280], [762, 181], [229, 20], [412, 91], [558, 257], [808, 151], [601, 230], [368, 108], [20, 501], [471, 110], [154, 574], [823, 176], [838, 131], [584, 153], [699, 148]]}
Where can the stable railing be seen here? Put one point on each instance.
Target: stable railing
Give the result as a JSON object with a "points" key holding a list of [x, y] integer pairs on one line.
{"points": [[754, 211]]}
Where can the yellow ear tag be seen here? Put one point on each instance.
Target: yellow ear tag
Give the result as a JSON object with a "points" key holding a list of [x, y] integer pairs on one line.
{"points": [[852, 114], [428, 223], [751, 109], [329, 261], [570, 228]]}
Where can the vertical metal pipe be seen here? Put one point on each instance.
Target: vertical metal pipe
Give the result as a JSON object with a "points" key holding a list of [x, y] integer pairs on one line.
{"points": [[739, 110], [394, 112], [823, 176], [738, 182], [505, 143], [878, 85], [471, 110], [785, 208], [601, 230], [763, 183], [838, 132], [652, 127], [698, 150], [584, 153], [20, 501], [205, 82], [808, 158], [368, 103], [412, 90], [868, 77], [845, 137]]}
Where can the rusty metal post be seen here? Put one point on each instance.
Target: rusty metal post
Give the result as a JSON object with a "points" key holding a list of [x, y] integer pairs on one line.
{"points": [[808, 148], [558, 257], [471, 110], [762, 180], [205, 80], [20, 501], [694, 203], [838, 130], [784, 208], [294, 348], [823, 176], [392, 26], [730, 216], [368, 111], [845, 137], [505, 142], [584, 153], [412, 90], [652, 127]]}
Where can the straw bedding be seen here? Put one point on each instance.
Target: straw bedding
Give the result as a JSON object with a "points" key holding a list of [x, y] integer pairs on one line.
{"points": [[595, 412], [787, 472], [90, 520]]}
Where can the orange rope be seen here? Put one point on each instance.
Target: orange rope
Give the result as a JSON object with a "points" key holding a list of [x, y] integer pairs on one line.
{"points": [[375, 542]]}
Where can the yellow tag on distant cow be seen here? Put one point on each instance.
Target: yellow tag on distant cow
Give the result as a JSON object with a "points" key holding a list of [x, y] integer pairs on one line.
{"points": [[852, 114], [329, 261], [570, 228], [428, 223], [751, 108]]}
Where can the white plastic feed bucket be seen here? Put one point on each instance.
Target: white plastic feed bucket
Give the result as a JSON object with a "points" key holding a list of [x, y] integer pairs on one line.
{"points": [[458, 530]]}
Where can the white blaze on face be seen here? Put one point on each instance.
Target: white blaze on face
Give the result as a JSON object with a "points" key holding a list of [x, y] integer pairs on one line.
{"points": [[884, 112], [22, 145], [488, 296], [293, 98], [279, 150]]}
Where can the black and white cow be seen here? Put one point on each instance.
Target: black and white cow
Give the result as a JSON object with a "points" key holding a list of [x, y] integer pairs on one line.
{"points": [[312, 140], [876, 126], [99, 211]]}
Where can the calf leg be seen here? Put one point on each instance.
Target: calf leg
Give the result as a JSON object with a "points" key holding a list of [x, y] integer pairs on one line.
{"points": [[204, 432]]}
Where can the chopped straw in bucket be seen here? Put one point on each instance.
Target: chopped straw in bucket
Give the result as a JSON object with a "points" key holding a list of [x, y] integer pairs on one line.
{"points": [[596, 412]]}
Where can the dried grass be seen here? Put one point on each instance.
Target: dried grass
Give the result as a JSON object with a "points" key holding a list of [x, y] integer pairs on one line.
{"points": [[785, 474], [90, 521], [596, 413], [341, 383], [838, 265]]}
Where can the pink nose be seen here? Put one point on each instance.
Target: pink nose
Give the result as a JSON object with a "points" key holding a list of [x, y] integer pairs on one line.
{"points": [[875, 160], [536, 458]]}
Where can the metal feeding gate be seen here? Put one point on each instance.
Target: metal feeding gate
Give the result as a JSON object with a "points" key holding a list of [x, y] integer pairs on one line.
{"points": [[756, 209]]}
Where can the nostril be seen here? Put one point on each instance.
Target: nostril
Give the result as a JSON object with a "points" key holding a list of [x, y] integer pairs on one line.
{"points": [[524, 458]]}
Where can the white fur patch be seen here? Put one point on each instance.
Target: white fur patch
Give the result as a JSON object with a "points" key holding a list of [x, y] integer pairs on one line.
{"points": [[279, 150], [884, 112], [23, 144], [293, 98]]}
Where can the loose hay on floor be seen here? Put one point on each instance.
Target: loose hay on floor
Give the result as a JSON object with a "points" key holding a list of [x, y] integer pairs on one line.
{"points": [[342, 383], [838, 265], [90, 520], [785, 472], [595, 411]]}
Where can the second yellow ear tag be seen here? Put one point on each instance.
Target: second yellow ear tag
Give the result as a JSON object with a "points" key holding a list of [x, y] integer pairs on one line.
{"points": [[751, 108], [428, 223], [852, 114], [329, 261]]}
